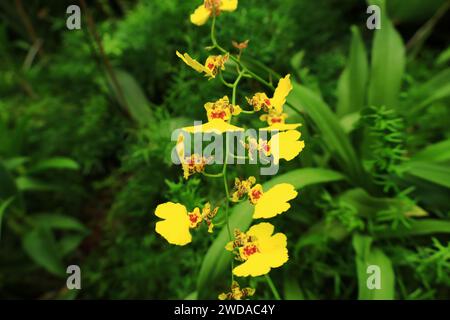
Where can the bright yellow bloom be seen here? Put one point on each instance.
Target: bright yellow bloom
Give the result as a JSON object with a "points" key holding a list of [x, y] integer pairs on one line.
{"points": [[242, 187], [286, 145], [212, 7], [216, 125], [255, 194], [283, 145], [273, 202], [281, 92], [259, 250], [221, 109], [177, 221], [260, 101], [212, 65], [190, 164], [237, 293]]}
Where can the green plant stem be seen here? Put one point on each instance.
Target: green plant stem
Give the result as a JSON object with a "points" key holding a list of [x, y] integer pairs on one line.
{"points": [[213, 175], [272, 287]]}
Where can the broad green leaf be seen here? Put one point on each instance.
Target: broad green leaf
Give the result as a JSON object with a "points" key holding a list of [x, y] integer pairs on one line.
{"points": [[366, 255], [217, 259], [32, 184], [58, 221], [55, 163], [41, 246], [14, 163], [433, 172], [435, 89], [368, 206], [444, 57], [412, 10], [192, 296], [136, 103], [388, 64], [8, 188], [352, 85], [437, 152], [3, 206], [349, 121], [292, 289], [330, 130], [418, 227], [70, 242]]}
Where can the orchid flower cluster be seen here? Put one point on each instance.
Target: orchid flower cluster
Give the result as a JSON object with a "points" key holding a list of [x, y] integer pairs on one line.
{"points": [[257, 250]]}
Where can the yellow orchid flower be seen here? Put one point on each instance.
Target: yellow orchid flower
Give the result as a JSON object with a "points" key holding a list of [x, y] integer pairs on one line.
{"points": [[177, 221], [286, 145], [283, 145], [190, 164], [259, 250], [275, 104], [281, 92], [212, 7], [216, 125], [237, 293], [260, 101], [221, 109], [242, 188], [211, 67], [273, 202]]}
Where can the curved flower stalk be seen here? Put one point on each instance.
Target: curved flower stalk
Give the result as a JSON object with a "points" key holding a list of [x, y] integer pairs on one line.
{"points": [[257, 250]]}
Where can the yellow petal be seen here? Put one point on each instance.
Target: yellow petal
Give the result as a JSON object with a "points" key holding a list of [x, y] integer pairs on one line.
{"points": [[281, 92], [280, 126], [200, 15], [175, 227], [261, 231], [229, 5], [272, 252], [286, 145], [194, 64], [275, 201], [215, 125], [255, 266]]}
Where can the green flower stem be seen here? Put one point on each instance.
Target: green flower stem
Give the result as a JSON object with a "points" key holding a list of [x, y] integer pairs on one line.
{"points": [[272, 287], [213, 175]]}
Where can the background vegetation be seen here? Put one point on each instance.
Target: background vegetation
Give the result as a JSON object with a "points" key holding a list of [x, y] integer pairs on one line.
{"points": [[85, 123]]}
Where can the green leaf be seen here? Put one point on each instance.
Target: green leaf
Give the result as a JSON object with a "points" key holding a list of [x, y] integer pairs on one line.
{"points": [[136, 103], [58, 221], [41, 246], [368, 206], [14, 163], [55, 163], [217, 259], [366, 255], [433, 172], [330, 130], [3, 206], [32, 184], [444, 57], [70, 242], [350, 121], [435, 89], [437, 152], [8, 188], [292, 289], [388, 64], [412, 10], [352, 85], [419, 227]]}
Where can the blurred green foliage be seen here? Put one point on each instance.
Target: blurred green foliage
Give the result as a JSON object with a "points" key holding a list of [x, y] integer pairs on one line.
{"points": [[81, 171]]}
